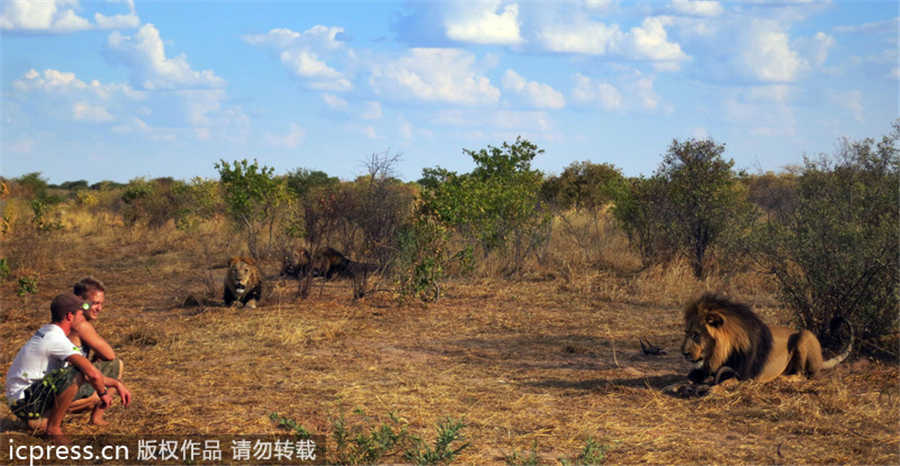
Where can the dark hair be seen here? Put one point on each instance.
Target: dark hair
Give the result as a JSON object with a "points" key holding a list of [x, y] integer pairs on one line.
{"points": [[64, 304], [86, 286]]}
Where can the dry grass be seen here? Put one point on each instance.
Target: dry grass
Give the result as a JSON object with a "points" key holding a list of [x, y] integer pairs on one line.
{"points": [[546, 363]]}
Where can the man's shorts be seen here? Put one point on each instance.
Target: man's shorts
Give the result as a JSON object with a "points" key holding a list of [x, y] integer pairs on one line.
{"points": [[39, 397]]}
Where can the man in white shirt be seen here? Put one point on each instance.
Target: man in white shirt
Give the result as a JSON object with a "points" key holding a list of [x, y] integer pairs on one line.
{"points": [[45, 376]]}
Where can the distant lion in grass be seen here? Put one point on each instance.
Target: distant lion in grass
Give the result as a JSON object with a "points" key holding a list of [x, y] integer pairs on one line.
{"points": [[330, 263], [243, 282], [726, 339], [297, 263]]}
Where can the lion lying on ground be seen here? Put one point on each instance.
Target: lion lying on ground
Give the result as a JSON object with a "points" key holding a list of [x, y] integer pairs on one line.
{"points": [[727, 339], [243, 282]]}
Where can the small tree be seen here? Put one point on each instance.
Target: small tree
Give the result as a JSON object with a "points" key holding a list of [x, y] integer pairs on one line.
{"points": [[584, 185], [496, 206], [835, 252], [692, 202], [252, 195]]}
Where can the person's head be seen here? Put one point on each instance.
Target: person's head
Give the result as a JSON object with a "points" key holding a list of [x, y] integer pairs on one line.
{"points": [[91, 290], [65, 304]]}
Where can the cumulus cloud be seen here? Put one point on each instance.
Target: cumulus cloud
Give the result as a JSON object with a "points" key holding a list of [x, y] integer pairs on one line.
{"points": [[334, 102], [649, 41], [371, 111], [850, 101], [289, 140], [63, 96], [83, 111], [589, 91], [766, 55], [145, 55], [434, 75], [480, 23], [697, 7], [304, 55], [536, 94], [58, 17]]}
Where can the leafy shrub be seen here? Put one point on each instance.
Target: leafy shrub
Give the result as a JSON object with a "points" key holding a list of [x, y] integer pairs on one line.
{"points": [[419, 265], [301, 181], [448, 432], [27, 284], [692, 203], [252, 196], [364, 443], [495, 207], [42, 221], [835, 252], [584, 185]]}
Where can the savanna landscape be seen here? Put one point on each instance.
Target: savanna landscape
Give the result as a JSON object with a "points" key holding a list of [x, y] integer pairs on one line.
{"points": [[505, 322]]}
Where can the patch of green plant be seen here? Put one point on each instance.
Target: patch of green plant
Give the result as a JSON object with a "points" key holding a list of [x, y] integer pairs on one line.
{"points": [[27, 285], [448, 433], [290, 424], [523, 459], [41, 209], [592, 453], [252, 195], [368, 440], [4, 268]]}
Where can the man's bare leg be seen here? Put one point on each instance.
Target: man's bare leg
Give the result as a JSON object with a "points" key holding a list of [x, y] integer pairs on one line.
{"points": [[58, 412]]}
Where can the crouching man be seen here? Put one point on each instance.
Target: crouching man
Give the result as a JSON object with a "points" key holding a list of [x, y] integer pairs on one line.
{"points": [[45, 377]]}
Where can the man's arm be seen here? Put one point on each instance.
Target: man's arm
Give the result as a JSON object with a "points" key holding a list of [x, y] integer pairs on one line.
{"points": [[124, 393], [93, 340], [92, 376]]}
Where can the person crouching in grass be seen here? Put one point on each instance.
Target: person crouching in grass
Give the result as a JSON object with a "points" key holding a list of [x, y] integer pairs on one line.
{"points": [[49, 370]]}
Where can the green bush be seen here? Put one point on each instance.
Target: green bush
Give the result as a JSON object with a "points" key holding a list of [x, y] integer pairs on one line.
{"points": [[252, 196], [693, 203], [495, 207], [835, 253], [584, 185]]}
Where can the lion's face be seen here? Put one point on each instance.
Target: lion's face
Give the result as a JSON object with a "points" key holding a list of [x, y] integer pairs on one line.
{"points": [[698, 344], [242, 274]]}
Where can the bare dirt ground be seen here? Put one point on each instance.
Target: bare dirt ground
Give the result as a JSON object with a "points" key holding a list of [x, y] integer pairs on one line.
{"points": [[532, 367]]}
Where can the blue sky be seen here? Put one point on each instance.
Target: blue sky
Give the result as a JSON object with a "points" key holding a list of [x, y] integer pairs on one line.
{"points": [[119, 89]]}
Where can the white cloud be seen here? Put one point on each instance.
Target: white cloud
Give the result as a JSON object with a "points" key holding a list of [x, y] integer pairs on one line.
{"points": [[588, 91], [434, 75], [815, 48], [334, 102], [64, 97], [697, 7], [117, 21], [305, 54], [850, 101], [58, 17], [765, 54], [290, 140], [649, 41], [145, 55], [305, 64], [371, 111], [536, 94], [67, 84], [765, 110], [481, 24], [83, 111]]}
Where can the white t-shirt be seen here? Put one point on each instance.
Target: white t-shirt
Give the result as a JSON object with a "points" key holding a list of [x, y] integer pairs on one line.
{"points": [[47, 350]]}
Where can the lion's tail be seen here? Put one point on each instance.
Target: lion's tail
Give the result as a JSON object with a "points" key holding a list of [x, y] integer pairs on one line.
{"points": [[835, 323]]}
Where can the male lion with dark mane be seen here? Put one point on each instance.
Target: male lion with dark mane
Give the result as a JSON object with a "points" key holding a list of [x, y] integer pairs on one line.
{"points": [[725, 338], [243, 282]]}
